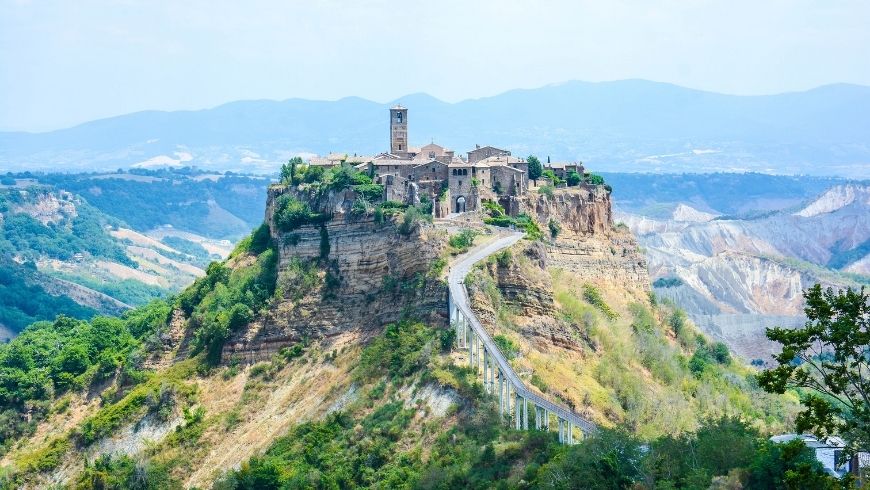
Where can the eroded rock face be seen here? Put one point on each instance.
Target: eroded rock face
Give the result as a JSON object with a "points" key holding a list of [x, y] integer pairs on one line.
{"points": [[372, 275], [584, 210], [525, 286], [587, 243]]}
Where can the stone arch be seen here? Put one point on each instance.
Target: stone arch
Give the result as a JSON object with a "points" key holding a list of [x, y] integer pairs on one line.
{"points": [[460, 204]]}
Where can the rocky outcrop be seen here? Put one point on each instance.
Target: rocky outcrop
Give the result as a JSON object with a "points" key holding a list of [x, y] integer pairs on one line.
{"points": [[371, 275], [583, 210], [524, 286], [587, 242]]}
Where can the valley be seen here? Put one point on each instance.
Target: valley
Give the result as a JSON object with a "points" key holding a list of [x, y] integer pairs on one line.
{"points": [[327, 329], [737, 273], [102, 243]]}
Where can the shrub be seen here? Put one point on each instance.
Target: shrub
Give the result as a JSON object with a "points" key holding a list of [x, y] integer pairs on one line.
{"points": [[506, 346], [504, 258], [313, 174], [552, 177], [530, 226], [370, 192], [399, 352], [410, 221], [593, 297], [501, 221], [447, 337], [554, 227], [297, 279], [291, 213], [594, 179], [667, 282], [494, 209], [546, 190], [574, 178], [463, 240]]}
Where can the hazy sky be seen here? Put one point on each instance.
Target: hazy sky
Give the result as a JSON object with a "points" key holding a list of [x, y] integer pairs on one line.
{"points": [[65, 62]]}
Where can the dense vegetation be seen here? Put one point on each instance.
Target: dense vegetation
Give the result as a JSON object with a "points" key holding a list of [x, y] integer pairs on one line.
{"points": [[84, 232], [23, 301], [228, 298], [292, 211], [827, 360], [145, 199], [379, 441], [522, 221], [49, 359]]}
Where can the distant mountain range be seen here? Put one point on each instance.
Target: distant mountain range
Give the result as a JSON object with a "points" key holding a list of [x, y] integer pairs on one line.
{"points": [[630, 125]]}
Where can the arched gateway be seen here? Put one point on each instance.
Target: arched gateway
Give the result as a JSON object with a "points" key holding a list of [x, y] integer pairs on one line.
{"points": [[460, 205]]}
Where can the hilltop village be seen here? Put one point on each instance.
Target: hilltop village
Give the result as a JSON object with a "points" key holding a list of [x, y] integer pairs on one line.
{"points": [[408, 173]]}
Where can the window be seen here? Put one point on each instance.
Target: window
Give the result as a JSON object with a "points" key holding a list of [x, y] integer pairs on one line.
{"points": [[398, 117], [431, 154]]}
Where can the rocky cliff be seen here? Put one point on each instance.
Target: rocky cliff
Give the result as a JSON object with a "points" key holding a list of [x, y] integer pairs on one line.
{"points": [[587, 243], [371, 275]]}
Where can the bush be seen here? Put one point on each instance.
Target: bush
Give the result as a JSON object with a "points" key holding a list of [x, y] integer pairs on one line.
{"points": [[594, 179], [410, 221], [546, 190], [291, 213], [370, 192], [463, 240], [399, 352], [667, 282], [554, 228], [574, 178], [508, 348], [448, 338], [593, 297], [501, 221]]}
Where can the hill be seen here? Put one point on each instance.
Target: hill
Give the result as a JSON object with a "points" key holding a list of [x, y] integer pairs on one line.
{"points": [[320, 354], [78, 244], [629, 125], [753, 243]]}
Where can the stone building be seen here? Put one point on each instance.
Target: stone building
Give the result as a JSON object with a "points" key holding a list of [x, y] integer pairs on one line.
{"points": [[398, 130], [480, 153], [409, 173]]}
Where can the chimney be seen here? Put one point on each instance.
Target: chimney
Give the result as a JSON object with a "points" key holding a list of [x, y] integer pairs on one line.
{"points": [[476, 147]]}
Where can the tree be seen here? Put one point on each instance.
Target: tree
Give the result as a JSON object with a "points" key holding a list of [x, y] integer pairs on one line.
{"points": [[535, 168], [595, 179], [288, 171], [574, 178], [829, 358]]}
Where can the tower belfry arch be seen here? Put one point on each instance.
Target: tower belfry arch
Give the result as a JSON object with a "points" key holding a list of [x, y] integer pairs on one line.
{"points": [[398, 130]]}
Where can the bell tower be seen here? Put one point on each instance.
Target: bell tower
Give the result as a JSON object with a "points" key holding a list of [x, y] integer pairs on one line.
{"points": [[398, 130]]}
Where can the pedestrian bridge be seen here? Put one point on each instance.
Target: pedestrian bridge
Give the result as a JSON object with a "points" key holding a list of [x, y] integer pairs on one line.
{"points": [[499, 378]]}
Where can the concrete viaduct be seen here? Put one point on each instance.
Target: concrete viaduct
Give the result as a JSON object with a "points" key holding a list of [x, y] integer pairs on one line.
{"points": [[499, 378]]}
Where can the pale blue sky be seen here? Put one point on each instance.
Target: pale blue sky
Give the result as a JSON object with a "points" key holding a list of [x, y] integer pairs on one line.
{"points": [[65, 62]]}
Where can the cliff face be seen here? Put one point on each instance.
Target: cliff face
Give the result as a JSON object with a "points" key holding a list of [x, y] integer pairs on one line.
{"points": [[372, 275], [587, 243]]}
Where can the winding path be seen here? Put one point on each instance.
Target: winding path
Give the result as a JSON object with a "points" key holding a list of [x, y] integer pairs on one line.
{"points": [[495, 368]]}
